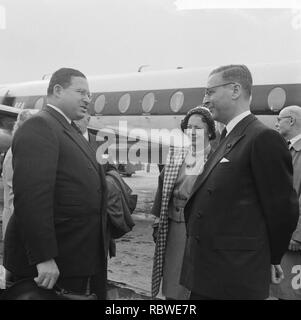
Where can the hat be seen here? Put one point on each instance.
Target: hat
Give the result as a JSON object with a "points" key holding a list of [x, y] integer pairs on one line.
{"points": [[27, 289]]}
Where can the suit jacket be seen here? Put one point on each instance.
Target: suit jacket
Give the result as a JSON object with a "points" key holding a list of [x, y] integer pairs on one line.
{"points": [[93, 142], [296, 157], [60, 195], [240, 215], [166, 183], [156, 208], [119, 207]]}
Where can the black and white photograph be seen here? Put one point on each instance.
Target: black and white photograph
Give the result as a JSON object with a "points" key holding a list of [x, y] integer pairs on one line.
{"points": [[150, 150]]}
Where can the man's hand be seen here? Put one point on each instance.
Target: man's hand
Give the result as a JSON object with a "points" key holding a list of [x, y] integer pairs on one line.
{"points": [[277, 274], [294, 245], [48, 274]]}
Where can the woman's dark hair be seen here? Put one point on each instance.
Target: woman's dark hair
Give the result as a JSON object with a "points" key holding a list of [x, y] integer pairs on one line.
{"points": [[206, 118]]}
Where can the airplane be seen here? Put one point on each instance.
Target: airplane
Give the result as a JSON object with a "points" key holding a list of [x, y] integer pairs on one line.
{"points": [[140, 113]]}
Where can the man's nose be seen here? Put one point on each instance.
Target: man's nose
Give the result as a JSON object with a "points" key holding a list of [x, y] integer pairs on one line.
{"points": [[86, 98], [206, 100]]}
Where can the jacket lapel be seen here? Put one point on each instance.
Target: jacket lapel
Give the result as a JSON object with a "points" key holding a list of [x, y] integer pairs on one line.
{"points": [[84, 146], [75, 136], [222, 150]]}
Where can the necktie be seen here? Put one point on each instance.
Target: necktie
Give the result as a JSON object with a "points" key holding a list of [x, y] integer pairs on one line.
{"points": [[223, 134], [75, 127], [82, 136]]}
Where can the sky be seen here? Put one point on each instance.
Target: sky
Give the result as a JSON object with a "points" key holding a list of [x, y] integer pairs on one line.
{"points": [[117, 36]]}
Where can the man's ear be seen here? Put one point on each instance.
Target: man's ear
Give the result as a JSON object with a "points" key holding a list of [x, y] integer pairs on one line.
{"points": [[236, 91], [292, 121], [57, 90]]}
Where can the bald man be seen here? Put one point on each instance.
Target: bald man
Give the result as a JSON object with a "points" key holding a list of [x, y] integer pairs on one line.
{"points": [[289, 126]]}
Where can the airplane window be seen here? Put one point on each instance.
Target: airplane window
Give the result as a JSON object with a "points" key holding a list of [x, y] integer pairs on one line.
{"points": [[39, 103], [124, 103], [148, 102], [99, 103], [276, 99], [176, 101]]}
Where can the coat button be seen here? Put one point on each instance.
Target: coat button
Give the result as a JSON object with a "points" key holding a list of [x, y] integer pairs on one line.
{"points": [[209, 191]]}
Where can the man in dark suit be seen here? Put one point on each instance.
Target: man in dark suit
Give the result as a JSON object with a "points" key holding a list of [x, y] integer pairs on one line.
{"points": [[243, 208], [57, 233]]}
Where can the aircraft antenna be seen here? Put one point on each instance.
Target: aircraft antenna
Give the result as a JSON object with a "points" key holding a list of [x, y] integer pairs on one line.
{"points": [[46, 76], [143, 66]]}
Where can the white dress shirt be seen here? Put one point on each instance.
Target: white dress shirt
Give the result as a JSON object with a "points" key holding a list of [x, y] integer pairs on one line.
{"points": [[86, 135], [295, 139], [230, 126], [59, 111]]}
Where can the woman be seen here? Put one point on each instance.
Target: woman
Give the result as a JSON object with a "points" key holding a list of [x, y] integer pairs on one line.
{"points": [[175, 184], [7, 172]]}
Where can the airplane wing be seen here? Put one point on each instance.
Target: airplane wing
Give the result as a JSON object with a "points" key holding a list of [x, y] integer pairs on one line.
{"points": [[9, 111]]}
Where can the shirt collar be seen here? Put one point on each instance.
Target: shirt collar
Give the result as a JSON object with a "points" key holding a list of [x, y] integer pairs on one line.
{"points": [[59, 111], [236, 120], [86, 135], [295, 139]]}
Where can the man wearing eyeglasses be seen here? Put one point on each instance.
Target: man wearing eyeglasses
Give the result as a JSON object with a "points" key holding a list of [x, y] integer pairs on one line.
{"points": [[243, 208], [56, 235], [289, 126]]}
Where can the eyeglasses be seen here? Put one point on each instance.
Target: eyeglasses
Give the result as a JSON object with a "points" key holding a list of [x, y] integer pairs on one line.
{"points": [[82, 92], [279, 118], [208, 91]]}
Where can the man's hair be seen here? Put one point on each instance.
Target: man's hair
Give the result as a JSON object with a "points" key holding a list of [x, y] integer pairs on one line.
{"points": [[236, 73], [63, 78]]}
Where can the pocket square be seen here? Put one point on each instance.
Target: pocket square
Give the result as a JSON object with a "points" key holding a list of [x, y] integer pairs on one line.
{"points": [[224, 160]]}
